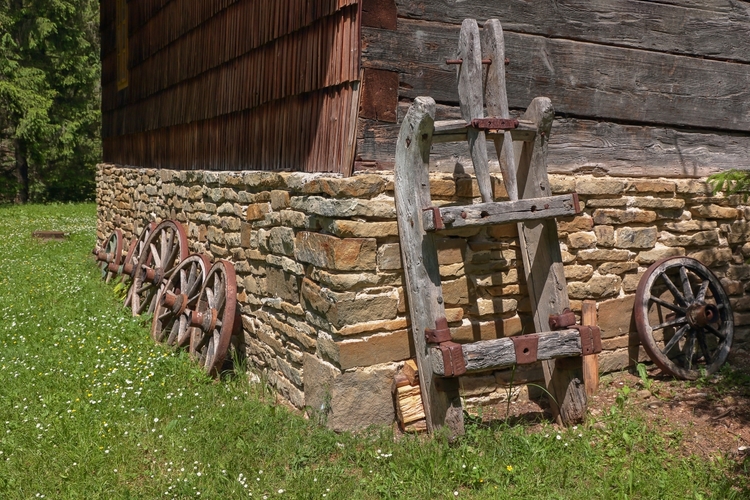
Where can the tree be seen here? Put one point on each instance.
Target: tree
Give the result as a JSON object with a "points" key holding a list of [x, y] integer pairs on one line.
{"points": [[49, 98]]}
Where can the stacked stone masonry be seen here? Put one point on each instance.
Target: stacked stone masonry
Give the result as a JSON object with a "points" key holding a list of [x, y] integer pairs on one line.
{"points": [[320, 280]]}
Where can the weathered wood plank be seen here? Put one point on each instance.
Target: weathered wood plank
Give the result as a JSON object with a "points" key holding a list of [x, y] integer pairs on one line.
{"points": [[709, 28], [456, 130], [471, 101], [590, 361], [587, 146], [500, 353], [496, 100], [583, 79], [484, 214], [419, 255]]}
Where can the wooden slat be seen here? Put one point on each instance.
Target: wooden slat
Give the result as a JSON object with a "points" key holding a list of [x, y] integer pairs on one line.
{"points": [[485, 214], [456, 130], [590, 361], [705, 28], [500, 353], [471, 101], [617, 83], [419, 254]]}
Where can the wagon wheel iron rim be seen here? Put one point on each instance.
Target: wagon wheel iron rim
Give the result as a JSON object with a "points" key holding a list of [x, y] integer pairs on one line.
{"points": [[215, 318], [177, 300], [110, 255], [684, 318], [130, 261], [165, 248]]}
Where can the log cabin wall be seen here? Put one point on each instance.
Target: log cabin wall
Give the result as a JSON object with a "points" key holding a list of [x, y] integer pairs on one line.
{"points": [[640, 88], [232, 84]]}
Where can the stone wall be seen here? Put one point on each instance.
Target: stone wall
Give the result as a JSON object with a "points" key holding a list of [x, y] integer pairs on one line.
{"points": [[320, 280]]}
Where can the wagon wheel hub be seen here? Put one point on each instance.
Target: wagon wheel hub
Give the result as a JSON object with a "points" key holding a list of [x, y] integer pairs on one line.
{"points": [[206, 321], [700, 314]]}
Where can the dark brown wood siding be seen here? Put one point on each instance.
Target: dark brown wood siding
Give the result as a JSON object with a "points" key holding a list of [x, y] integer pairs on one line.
{"points": [[639, 87], [233, 84]]}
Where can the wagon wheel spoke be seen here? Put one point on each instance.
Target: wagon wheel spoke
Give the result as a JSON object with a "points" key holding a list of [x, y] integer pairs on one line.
{"points": [[701, 296], [675, 339], [672, 288], [690, 349], [686, 288], [673, 322], [668, 305], [715, 331], [155, 255], [704, 347]]}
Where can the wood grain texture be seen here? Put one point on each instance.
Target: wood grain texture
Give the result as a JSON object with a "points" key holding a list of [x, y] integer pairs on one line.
{"points": [[419, 255], [591, 361], [705, 28], [500, 353], [583, 79], [587, 146]]}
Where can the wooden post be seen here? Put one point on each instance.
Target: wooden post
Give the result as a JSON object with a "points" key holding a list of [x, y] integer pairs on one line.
{"points": [[419, 256], [542, 262], [590, 361]]}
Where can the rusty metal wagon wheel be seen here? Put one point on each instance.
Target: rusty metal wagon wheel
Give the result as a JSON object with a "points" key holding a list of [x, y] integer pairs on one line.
{"points": [[130, 262], [215, 318], [177, 301], [108, 257], [683, 317], [163, 251]]}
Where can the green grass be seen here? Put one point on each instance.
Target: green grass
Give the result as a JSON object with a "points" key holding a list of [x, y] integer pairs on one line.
{"points": [[91, 408]]}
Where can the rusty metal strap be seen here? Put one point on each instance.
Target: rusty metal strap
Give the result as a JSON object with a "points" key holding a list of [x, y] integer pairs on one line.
{"points": [[591, 339], [441, 332], [526, 347], [562, 320], [454, 364], [494, 123]]}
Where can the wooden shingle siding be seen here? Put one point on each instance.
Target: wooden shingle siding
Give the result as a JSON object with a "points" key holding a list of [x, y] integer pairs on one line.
{"points": [[212, 81]]}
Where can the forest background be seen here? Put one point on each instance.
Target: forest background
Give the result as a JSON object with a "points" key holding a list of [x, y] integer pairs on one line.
{"points": [[49, 100]]}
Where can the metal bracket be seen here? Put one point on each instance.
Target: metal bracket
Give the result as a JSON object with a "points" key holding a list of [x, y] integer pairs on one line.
{"points": [[526, 347], [591, 339], [494, 123], [453, 359], [441, 332], [562, 320], [437, 219]]}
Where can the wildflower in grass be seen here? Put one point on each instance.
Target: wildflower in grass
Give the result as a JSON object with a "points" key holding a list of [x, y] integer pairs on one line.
{"points": [[509, 468]]}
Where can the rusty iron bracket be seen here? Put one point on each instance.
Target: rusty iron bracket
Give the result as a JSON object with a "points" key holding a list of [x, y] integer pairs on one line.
{"points": [[436, 217], [453, 359], [441, 332], [591, 339], [526, 347], [563, 320], [494, 123]]}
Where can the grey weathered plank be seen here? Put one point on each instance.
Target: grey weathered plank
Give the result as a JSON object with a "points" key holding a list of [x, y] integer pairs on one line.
{"points": [[419, 256], [587, 146], [471, 101], [456, 130], [496, 100], [500, 353], [583, 79], [708, 28], [483, 214]]}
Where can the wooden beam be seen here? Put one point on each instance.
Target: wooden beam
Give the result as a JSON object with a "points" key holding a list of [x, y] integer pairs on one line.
{"points": [[590, 361], [419, 255], [456, 130], [484, 214], [500, 353]]}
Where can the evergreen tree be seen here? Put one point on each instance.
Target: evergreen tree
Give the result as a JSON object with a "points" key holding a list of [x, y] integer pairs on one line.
{"points": [[49, 98]]}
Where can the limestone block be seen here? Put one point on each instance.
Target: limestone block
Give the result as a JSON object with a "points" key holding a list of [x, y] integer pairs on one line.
{"points": [[342, 282], [498, 189], [607, 203], [741, 304], [615, 316], [375, 326], [195, 193], [374, 349], [713, 211], [739, 273], [505, 231], [232, 240], [659, 203], [475, 385], [605, 236], [496, 279], [595, 288], [739, 232], [601, 255], [732, 287], [741, 319], [286, 388], [627, 237], [281, 241], [358, 186], [598, 186], [285, 263], [361, 398], [456, 292], [617, 267], [620, 359], [292, 218], [656, 186], [467, 187], [389, 257], [473, 330], [582, 240], [713, 256], [329, 252], [355, 229], [283, 285], [215, 235], [344, 208], [630, 216], [279, 199], [699, 239], [687, 226], [578, 273], [262, 180], [692, 186], [658, 253], [231, 224], [562, 184], [574, 224], [442, 188], [257, 211], [485, 307]]}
